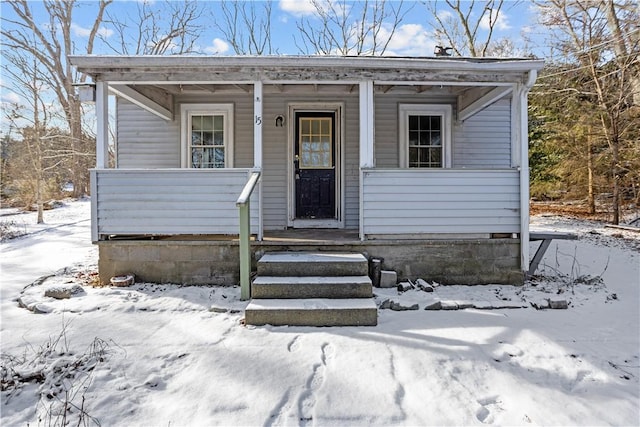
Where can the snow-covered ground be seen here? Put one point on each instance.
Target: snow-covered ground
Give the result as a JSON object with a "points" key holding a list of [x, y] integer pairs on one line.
{"points": [[172, 355]]}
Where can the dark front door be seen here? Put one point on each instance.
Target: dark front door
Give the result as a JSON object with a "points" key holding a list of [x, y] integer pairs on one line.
{"points": [[314, 165]]}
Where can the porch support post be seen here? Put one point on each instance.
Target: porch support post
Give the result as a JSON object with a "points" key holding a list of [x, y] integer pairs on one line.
{"points": [[366, 125], [523, 136], [102, 131], [367, 157], [257, 147], [257, 125]]}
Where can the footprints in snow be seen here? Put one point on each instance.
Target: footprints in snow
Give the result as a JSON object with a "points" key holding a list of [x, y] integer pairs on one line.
{"points": [[505, 351], [294, 344], [302, 409], [307, 400], [488, 406]]}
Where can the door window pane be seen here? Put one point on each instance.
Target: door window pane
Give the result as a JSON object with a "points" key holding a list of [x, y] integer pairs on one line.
{"points": [[316, 141]]}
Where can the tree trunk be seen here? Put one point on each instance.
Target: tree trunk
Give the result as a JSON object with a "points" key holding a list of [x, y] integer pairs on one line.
{"points": [[591, 199], [615, 161], [79, 170], [39, 201]]}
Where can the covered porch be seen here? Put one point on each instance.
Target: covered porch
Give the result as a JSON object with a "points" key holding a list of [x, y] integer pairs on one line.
{"points": [[379, 200]]}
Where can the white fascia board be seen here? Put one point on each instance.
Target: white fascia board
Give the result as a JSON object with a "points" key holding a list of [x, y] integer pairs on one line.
{"points": [[483, 102], [172, 62], [312, 82], [440, 83], [142, 101], [181, 82]]}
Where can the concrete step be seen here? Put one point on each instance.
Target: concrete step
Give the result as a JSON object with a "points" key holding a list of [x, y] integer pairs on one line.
{"points": [[269, 287], [312, 312], [312, 264]]}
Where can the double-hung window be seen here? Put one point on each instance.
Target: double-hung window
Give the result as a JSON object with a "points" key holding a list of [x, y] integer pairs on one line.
{"points": [[425, 135], [207, 135]]}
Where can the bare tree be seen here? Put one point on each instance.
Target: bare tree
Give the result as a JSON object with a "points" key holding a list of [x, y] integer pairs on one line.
{"points": [[340, 27], [35, 155], [51, 45], [600, 38], [467, 26], [167, 28], [247, 31]]}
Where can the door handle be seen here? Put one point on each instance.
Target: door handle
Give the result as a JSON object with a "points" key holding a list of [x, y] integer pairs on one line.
{"points": [[296, 167]]}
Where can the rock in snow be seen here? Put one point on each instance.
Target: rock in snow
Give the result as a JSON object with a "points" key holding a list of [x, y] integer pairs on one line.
{"points": [[424, 286], [558, 304], [123, 281], [388, 279], [436, 305], [63, 292], [396, 306]]}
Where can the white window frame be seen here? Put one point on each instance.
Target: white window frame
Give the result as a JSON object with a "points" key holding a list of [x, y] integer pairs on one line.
{"points": [[442, 110], [189, 110]]}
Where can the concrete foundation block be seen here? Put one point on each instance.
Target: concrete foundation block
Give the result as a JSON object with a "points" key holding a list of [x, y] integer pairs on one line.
{"points": [[388, 279]]}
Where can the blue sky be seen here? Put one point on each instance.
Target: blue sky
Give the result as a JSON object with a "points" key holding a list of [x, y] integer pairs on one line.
{"points": [[413, 37]]}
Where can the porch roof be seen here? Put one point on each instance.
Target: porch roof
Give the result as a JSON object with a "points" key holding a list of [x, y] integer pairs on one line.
{"points": [[238, 69]]}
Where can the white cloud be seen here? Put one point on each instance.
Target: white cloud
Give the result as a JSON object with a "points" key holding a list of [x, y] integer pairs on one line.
{"points": [[445, 15], [218, 46], [11, 98], [298, 7], [410, 40], [527, 29], [80, 31], [501, 21]]}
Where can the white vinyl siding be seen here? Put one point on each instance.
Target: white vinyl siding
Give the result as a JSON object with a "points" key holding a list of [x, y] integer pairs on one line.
{"points": [[387, 131], [484, 140], [169, 201], [424, 201], [145, 140]]}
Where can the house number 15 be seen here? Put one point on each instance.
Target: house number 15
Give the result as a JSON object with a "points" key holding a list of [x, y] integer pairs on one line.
{"points": [[258, 120]]}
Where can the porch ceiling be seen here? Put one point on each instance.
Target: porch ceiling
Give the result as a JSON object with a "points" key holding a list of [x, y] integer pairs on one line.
{"points": [[159, 98]]}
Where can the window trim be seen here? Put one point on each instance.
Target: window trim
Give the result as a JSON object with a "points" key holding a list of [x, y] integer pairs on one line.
{"points": [[189, 110], [442, 110]]}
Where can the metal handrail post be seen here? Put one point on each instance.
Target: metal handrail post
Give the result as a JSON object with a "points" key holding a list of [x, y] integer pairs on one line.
{"points": [[245, 251], [244, 207]]}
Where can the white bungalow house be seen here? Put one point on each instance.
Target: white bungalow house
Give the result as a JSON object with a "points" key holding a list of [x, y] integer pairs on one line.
{"points": [[421, 162]]}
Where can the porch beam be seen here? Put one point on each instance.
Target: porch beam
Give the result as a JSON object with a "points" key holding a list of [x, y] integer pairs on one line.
{"points": [[483, 102], [102, 131], [483, 82], [142, 101]]}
